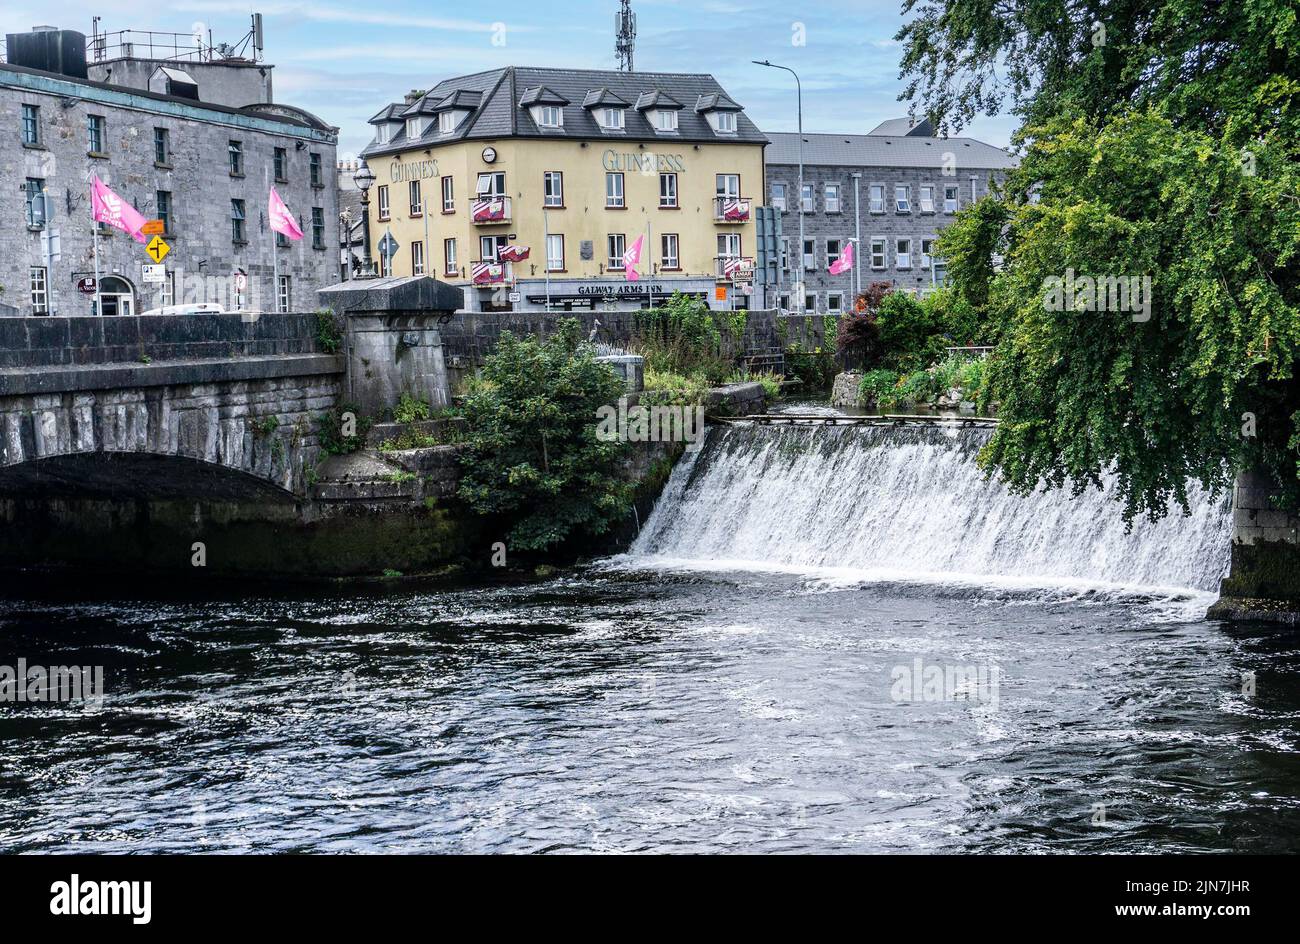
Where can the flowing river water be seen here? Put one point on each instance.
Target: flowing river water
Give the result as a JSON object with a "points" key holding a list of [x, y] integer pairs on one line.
{"points": [[753, 675]]}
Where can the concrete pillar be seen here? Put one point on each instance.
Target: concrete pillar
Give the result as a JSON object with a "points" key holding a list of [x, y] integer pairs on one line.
{"points": [[1263, 581], [391, 340]]}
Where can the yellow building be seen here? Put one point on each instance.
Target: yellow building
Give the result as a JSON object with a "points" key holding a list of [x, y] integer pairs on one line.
{"points": [[571, 166]]}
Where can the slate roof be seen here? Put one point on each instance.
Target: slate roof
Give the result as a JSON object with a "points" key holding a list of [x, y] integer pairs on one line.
{"points": [[904, 126], [880, 150], [505, 95], [602, 96]]}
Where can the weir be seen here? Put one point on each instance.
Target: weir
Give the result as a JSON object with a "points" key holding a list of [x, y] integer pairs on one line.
{"points": [[910, 503]]}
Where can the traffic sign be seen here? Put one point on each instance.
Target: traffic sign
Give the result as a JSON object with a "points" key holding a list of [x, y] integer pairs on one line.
{"points": [[154, 274], [152, 228], [157, 249], [388, 246]]}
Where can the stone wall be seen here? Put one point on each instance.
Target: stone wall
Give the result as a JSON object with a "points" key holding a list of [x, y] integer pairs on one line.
{"points": [[1263, 580]]}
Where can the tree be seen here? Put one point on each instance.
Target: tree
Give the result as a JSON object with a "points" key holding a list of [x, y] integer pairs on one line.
{"points": [[532, 456], [1164, 145]]}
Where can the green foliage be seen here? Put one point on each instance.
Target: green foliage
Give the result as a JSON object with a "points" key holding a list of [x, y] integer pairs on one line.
{"points": [[880, 386], [665, 388], [682, 336], [329, 335], [410, 409], [402, 476], [770, 382], [910, 335], [266, 425], [532, 455], [329, 430]]}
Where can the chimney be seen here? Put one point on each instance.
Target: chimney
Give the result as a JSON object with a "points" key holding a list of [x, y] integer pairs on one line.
{"points": [[413, 96]]}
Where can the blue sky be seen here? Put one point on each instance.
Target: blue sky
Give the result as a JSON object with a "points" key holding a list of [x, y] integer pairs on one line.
{"points": [[345, 60]]}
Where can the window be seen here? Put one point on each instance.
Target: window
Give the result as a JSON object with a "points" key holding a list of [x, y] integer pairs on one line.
{"points": [[491, 185], [877, 254], [669, 258], [876, 198], [617, 245], [927, 246], [668, 191], [237, 221], [810, 302], [729, 245], [384, 133], [34, 201], [318, 227], [490, 246], [927, 199], [726, 185], [165, 209], [555, 253], [40, 291], [162, 146], [834, 302], [785, 253], [783, 302], [903, 198], [550, 116], [315, 169], [383, 202], [281, 241], [448, 195], [169, 289], [449, 266], [95, 134], [809, 255], [553, 188], [415, 198], [283, 294], [666, 119], [778, 196], [806, 197], [31, 125], [417, 257], [447, 121], [280, 163], [614, 190], [414, 128], [385, 265], [832, 250], [950, 198], [236, 151], [832, 198], [903, 253], [726, 122], [611, 119]]}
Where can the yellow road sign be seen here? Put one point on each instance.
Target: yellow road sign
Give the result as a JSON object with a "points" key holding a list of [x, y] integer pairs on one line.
{"points": [[157, 249]]}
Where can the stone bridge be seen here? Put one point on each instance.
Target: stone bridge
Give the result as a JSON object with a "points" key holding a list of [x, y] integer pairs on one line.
{"points": [[215, 406]]}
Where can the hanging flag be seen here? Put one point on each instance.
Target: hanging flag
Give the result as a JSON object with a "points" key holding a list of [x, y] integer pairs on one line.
{"points": [[108, 207], [513, 253], [844, 263], [282, 220], [631, 259]]}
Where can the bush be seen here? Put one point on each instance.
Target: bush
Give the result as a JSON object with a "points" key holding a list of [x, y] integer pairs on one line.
{"points": [[909, 332], [682, 336], [880, 387], [532, 456], [665, 388], [410, 409]]}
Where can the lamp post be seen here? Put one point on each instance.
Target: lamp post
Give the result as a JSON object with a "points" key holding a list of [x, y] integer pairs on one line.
{"points": [[857, 241], [364, 178], [345, 243], [799, 97]]}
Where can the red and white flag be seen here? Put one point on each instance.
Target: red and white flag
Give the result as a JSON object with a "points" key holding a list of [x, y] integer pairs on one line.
{"points": [[282, 220], [844, 263], [108, 207], [631, 259], [513, 253]]}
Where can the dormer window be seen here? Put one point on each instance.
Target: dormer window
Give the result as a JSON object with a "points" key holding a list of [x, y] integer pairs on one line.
{"points": [[385, 134], [414, 127], [724, 122], [611, 119], [448, 120], [665, 120], [550, 116]]}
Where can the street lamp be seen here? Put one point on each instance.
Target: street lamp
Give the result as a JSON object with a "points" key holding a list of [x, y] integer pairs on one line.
{"points": [[364, 178], [857, 237], [345, 243], [799, 93]]}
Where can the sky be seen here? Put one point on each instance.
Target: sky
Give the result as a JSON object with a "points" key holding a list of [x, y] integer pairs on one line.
{"points": [[344, 61]]}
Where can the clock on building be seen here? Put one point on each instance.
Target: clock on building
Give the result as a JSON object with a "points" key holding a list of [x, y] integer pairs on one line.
{"points": [[489, 155]]}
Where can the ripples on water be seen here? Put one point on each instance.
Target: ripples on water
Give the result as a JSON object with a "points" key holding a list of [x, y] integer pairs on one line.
{"points": [[650, 709]]}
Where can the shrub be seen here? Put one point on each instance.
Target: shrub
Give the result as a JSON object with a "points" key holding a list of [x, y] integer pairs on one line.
{"points": [[665, 388], [410, 409], [909, 334], [328, 333], [879, 386]]}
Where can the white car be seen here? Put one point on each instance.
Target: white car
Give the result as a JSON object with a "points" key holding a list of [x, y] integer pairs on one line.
{"points": [[195, 308]]}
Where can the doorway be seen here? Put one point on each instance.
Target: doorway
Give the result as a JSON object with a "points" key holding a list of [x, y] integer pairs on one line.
{"points": [[116, 295]]}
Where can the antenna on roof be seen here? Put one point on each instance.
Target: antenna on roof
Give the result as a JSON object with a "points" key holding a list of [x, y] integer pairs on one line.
{"points": [[624, 35]]}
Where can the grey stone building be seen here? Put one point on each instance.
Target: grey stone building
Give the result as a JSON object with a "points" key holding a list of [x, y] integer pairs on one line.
{"points": [[894, 189], [196, 145]]}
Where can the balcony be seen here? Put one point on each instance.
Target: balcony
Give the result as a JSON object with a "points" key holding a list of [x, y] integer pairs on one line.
{"points": [[731, 209], [489, 210], [733, 268], [491, 272]]}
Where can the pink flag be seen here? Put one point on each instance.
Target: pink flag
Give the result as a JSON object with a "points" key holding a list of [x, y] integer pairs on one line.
{"points": [[108, 207], [631, 258], [282, 220], [844, 262]]}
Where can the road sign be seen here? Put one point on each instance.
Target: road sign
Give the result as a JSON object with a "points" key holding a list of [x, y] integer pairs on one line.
{"points": [[157, 249], [86, 286], [388, 246], [241, 281], [720, 293], [514, 298], [152, 228], [154, 274]]}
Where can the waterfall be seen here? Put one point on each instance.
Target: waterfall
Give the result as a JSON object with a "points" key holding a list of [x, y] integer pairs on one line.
{"points": [[909, 503]]}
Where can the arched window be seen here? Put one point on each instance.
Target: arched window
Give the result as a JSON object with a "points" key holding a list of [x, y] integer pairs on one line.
{"points": [[116, 295]]}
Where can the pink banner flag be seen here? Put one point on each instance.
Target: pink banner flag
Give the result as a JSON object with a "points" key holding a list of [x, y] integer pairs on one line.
{"points": [[844, 262], [631, 259], [108, 207], [282, 220]]}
